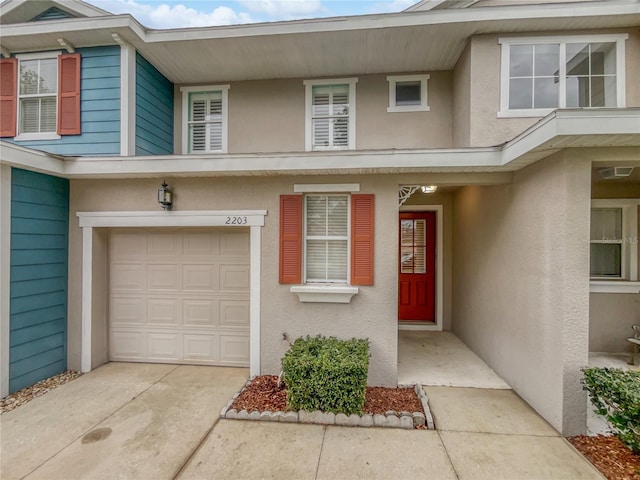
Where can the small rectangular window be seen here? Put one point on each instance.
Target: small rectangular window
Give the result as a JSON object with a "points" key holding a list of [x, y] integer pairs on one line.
{"points": [[606, 242], [408, 93]]}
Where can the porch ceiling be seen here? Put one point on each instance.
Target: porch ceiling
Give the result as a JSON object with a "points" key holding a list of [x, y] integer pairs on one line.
{"points": [[389, 43]]}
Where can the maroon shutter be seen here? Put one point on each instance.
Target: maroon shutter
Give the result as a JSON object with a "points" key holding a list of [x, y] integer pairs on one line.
{"points": [[291, 239], [69, 94], [8, 96], [362, 229]]}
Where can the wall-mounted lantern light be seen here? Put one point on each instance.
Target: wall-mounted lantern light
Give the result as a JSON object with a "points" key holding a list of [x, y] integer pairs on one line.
{"points": [[165, 196]]}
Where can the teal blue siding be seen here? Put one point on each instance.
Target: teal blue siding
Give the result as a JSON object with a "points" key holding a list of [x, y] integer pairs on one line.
{"points": [[154, 110], [38, 297], [52, 14], [99, 108]]}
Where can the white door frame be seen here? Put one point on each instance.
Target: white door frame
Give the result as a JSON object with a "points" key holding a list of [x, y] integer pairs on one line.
{"points": [[439, 266], [254, 219]]}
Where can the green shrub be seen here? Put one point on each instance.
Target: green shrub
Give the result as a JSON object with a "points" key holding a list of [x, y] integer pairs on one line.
{"points": [[616, 395], [326, 374]]}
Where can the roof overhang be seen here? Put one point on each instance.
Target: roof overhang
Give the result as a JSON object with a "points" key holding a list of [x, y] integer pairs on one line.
{"points": [[386, 43], [617, 129]]}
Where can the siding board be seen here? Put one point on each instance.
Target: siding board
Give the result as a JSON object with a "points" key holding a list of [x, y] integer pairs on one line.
{"points": [[38, 288], [154, 110]]}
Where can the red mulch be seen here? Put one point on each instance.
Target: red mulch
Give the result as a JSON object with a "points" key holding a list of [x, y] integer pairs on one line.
{"points": [[609, 455], [263, 394]]}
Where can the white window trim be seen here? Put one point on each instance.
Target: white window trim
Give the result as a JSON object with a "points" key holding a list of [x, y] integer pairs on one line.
{"points": [[224, 89], [309, 84], [506, 112], [424, 100], [628, 283], [34, 136]]}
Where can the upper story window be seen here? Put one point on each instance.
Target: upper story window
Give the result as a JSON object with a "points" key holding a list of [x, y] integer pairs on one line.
{"points": [[541, 74], [614, 239], [330, 114], [205, 119], [408, 93], [40, 96]]}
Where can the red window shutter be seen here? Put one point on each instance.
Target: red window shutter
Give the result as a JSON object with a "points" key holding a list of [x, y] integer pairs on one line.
{"points": [[291, 239], [362, 227], [69, 94], [8, 96]]}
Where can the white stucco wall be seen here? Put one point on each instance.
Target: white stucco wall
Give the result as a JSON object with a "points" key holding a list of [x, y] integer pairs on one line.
{"points": [[521, 283]]}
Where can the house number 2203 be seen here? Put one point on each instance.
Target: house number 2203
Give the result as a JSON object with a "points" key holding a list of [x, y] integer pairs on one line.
{"points": [[235, 221]]}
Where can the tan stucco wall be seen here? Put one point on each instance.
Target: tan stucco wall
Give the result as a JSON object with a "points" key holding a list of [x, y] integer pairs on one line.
{"points": [[269, 116], [462, 99], [486, 129], [521, 283]]}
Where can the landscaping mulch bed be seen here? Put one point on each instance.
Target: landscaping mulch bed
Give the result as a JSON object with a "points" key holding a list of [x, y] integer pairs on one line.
{"points": [[263, 394], [609, 455], [25, 395]]}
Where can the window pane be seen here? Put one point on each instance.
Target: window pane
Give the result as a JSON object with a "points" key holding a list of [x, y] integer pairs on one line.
{"points": [[321, 132], [603, 92], [197, 137], [521, 93], [545, 93], [606, 224], [316, 215], [48, 76], [521, 61], [578, 92], [606, 260], [316, 260], [341, 132], [603, 58], [340, 104], [547, 60], [420, 260], [29, 77], [48, 114], [408, 93], [578, 59], [337, 215], [215, 136], [38, 76], [29, 115], [321, 104], [406, 232], [337, 260], [406, 259]]}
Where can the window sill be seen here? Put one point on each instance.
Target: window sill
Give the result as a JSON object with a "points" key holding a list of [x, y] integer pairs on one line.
{"points": [[36, 136], [408, 108], [324, 293], [613, 286]]}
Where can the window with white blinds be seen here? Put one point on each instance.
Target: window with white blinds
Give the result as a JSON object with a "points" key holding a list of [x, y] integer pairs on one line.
{"points": [[205, 122], [204, 113], [326, 238], [330, 114], [38, 95]]}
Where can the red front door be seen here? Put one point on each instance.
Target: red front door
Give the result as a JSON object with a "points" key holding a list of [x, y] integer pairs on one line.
{"points": [[417, 261]]}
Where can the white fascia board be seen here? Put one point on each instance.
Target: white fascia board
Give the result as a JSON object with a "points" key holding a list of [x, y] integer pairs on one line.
{"points": [[181, 218], [22, 157]]}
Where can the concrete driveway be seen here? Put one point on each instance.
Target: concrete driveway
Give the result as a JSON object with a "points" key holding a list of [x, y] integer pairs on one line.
{"points": [[144, 421]]}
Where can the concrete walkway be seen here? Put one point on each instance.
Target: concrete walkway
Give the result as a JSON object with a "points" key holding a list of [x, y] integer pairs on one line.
{"points": [[140, 421]]}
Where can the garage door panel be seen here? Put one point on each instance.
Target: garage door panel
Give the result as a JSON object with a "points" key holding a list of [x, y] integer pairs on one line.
{"points": [[127, 310], [127, 345], [163, 311], [200, 243], [200, 313], [234, 242], [128, 245], [234, 277], [127, 277], [163, 244], [199, 277], [234, 348], [201, 348], [180, 296], [234, 313]]}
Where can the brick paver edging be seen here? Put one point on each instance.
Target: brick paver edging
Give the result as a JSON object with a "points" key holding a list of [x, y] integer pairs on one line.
{"points": [[406, 420]]}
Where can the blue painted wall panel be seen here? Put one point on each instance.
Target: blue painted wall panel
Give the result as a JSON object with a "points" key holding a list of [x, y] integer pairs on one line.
{"points": [[99, 108], [154, 110], [38, 291]]}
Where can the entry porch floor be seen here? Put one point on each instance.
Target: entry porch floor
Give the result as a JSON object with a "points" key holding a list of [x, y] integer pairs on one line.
{"points": [[442, 359]]}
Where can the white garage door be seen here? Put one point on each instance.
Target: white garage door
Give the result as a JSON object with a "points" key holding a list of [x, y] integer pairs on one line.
{"points": [[179, 296]]}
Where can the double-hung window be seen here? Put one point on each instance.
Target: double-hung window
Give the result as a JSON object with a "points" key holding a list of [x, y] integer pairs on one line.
{"points": [[330, 114], [40, 96], [541, 74], [614, 240], [204, 113], [326, 238]]}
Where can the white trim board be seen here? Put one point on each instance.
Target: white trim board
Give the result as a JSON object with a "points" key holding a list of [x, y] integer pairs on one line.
{"points": [[439, 209], [254, 221], [5, 275]]}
